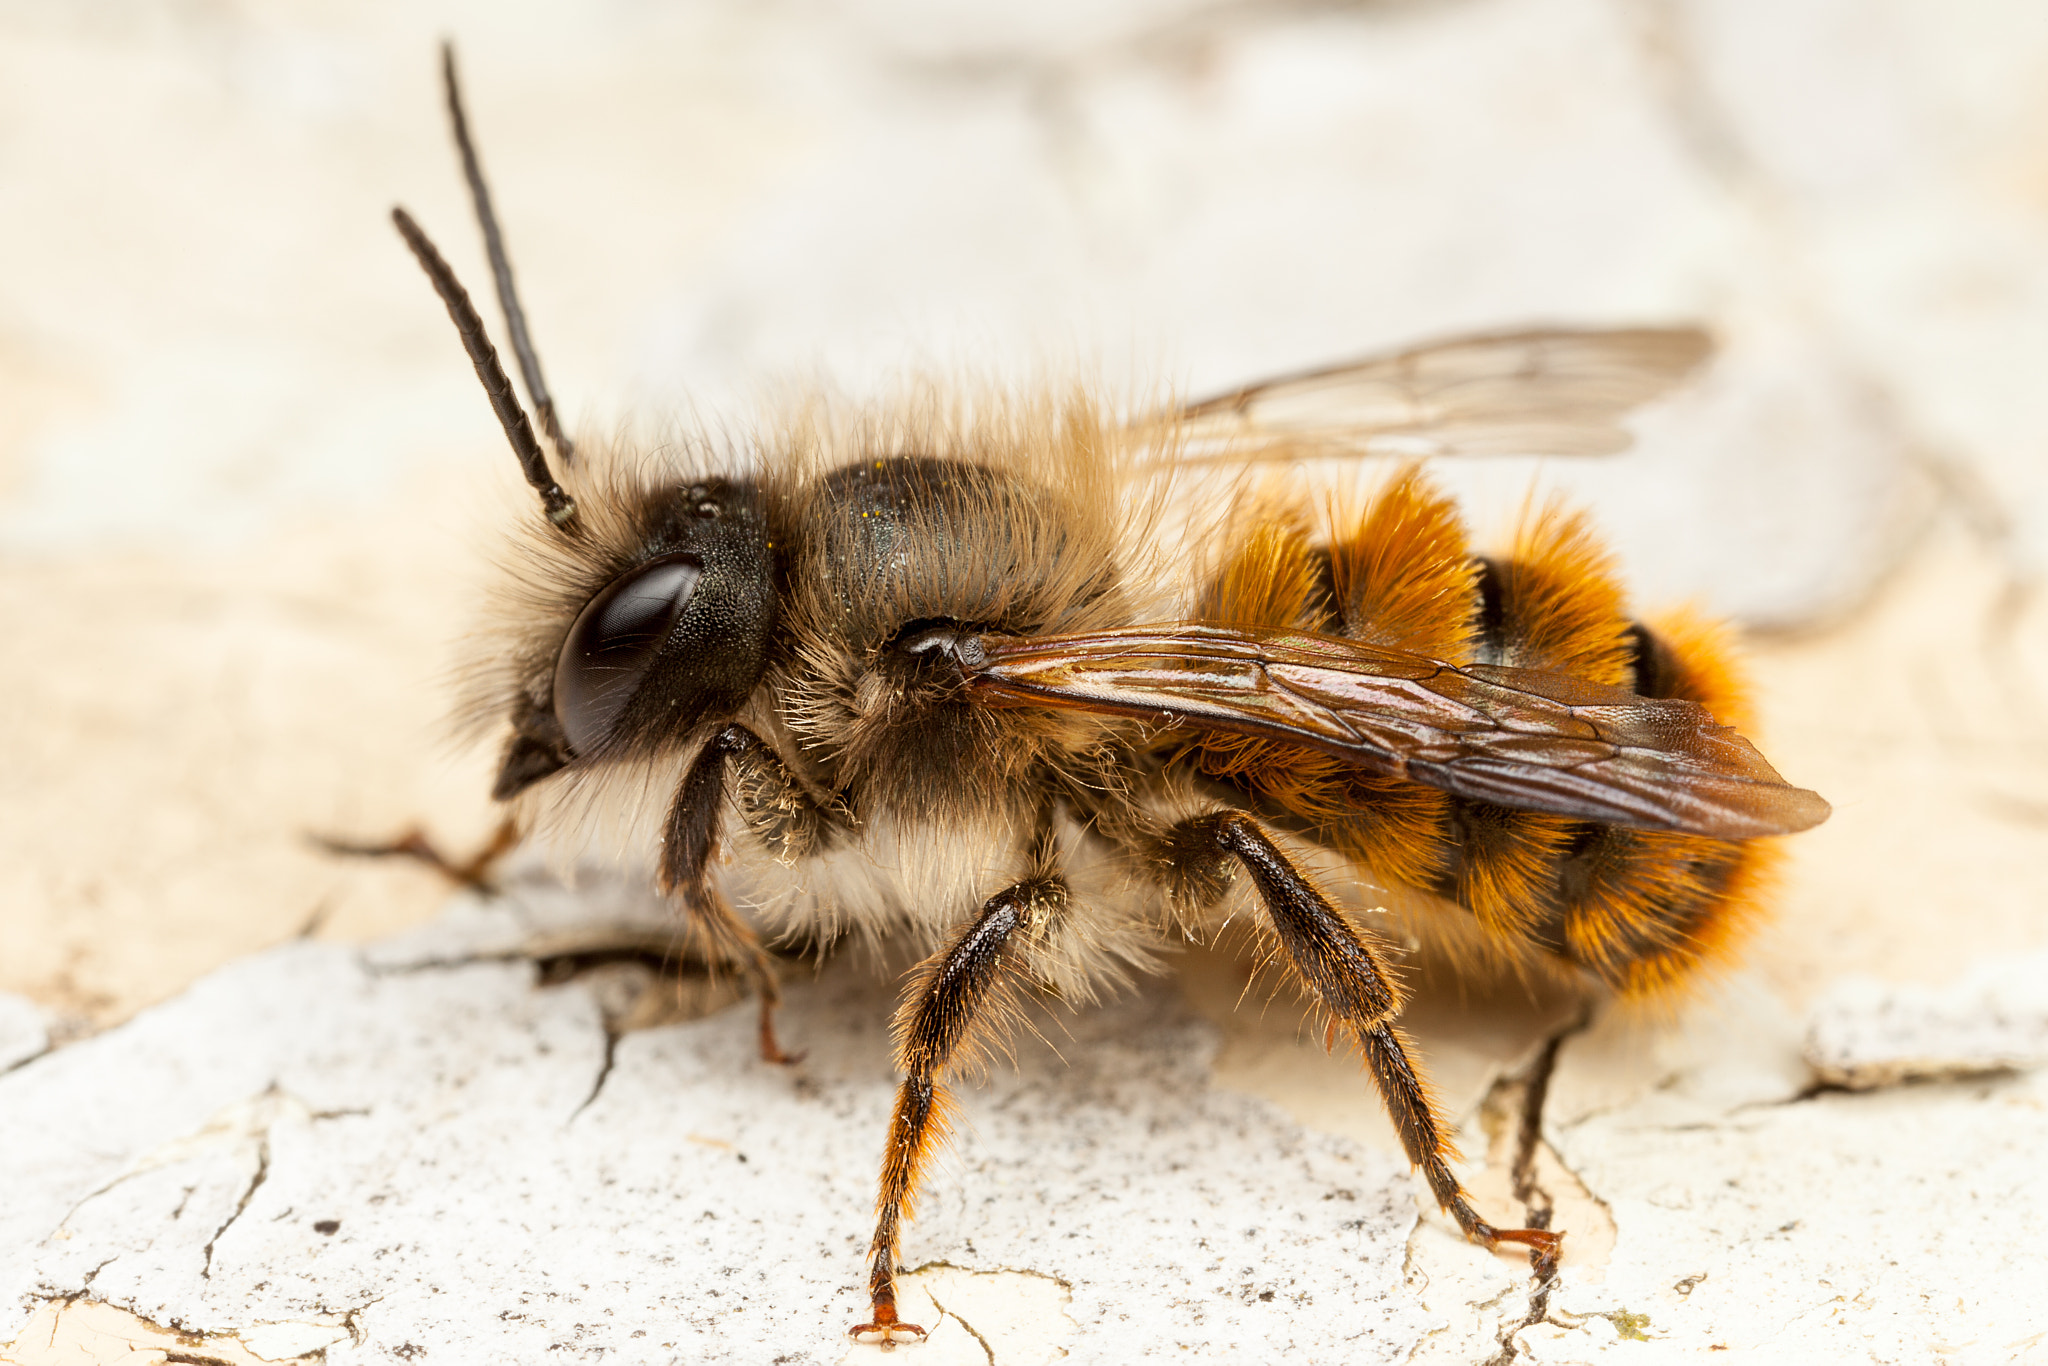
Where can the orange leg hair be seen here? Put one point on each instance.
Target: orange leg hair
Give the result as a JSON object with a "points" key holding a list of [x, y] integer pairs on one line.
{"points": [[1331, 958], [968, 985], [955, 996]]}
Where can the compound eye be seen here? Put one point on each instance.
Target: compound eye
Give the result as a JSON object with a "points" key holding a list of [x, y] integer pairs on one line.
{"points": [[614, 642]]}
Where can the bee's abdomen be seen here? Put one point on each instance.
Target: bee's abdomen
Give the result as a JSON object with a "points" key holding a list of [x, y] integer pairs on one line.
{"points": [[1636, 909], [1643, 909]]}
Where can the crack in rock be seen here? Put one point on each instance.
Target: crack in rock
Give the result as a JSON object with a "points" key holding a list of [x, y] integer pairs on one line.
{"points": [[1016, 1317], [255, 1123], [26, 1033], [1867, 1036], [259, 1154], [45, 1051], [78, 1327], [604, 1071], [1539, 1205], [249, 1119], [375, 970], [248, 1194], [93, 1275], [987, 1350]]}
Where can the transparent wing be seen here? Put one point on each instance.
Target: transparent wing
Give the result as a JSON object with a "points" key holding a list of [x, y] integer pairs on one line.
{"points": [[1520, 738], [1544, 392]]}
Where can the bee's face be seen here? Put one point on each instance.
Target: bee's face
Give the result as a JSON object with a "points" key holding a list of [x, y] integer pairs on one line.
{"points": [[678, 633]]}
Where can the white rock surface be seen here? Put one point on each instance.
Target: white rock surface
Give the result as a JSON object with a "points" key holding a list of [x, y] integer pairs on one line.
{"points": [[1865, 1034], [446, 1158], [416, 1150], [1763, 1218], [24, 1030], [1891, 1227]]}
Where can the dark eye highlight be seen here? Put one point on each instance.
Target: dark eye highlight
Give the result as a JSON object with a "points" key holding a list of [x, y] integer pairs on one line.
{"points": [[614, 642]]}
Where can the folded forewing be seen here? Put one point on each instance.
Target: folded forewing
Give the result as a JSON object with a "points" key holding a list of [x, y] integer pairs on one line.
{"points": [[1517, 737]]}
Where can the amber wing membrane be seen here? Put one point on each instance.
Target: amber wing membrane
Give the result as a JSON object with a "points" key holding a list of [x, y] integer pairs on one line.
{"points": [[1521, 738], [1541, 392]]}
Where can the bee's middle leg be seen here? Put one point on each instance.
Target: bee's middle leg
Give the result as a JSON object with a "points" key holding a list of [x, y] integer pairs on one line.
{"points": [[1338, 965], [780, 809]]}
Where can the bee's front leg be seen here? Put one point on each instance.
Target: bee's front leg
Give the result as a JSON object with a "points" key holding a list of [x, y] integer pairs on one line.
{"points": [[1337, 964], [951, 1000], [473, 872], [778, 806]]}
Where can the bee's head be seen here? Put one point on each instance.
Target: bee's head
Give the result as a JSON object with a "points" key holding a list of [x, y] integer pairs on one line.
{"points": [[663, 596], [639, 617], [670, 628]]}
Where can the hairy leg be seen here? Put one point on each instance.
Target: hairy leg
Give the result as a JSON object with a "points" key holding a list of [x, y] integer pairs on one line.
{"points": [[956, 995], [1337, 964], [779, 809]]}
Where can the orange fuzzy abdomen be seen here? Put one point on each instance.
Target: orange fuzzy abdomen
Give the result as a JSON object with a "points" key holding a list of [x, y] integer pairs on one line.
{"points": [[1638, 910]]}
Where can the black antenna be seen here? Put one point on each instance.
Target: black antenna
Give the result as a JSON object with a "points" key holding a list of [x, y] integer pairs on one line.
{"points": [[501, 266], [561, 508]]}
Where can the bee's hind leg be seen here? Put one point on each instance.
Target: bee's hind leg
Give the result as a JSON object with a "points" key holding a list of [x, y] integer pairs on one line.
{"points": [[953, 999], [1337, 964], [780, 810]]}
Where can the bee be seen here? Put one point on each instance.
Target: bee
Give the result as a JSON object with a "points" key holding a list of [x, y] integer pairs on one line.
{"points": [[1018, 683]]}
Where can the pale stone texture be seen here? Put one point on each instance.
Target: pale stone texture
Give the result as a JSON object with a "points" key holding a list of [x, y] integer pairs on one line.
{"points": [[1867, 1033], [1779, 1225], [504, 1178], [24, 1030], [504, 1184]]}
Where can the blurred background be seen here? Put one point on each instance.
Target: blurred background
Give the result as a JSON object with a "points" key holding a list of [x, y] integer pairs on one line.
{"points": [[247, 479]]}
